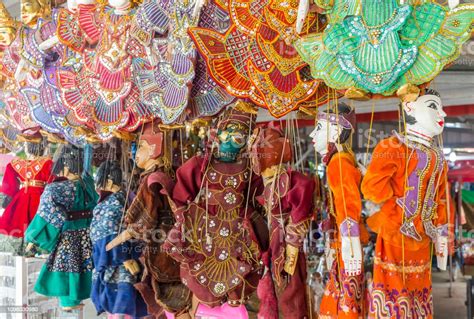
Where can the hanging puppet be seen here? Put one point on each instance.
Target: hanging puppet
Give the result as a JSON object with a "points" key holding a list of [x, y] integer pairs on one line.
{"points": [[219, 261], [405, 186], [104, 94], [381, 46], [61, 227], [23, 183], [165, 83], [287, 199], [343, 295], [115, 271], [149, 219]]}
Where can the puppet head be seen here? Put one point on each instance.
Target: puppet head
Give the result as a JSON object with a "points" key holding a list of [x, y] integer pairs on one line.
{"points": [[425, 116], [8, 27], [269, 147], [109, 176], [69, 161], [150, 146], [32, 10], [233, 130], [333, 129]]}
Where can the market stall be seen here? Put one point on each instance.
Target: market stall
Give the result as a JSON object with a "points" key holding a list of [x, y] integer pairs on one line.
{"points": [[231, 159]]}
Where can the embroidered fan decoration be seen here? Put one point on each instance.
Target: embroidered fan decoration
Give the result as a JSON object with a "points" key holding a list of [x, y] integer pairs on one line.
{"points": [[252, 58], [387, 46]]}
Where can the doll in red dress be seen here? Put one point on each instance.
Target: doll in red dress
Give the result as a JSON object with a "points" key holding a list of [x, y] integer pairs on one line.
{"points": [[23, 184]]}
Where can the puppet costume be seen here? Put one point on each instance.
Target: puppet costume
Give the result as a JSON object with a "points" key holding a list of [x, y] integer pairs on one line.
{"points": [[411, 44], [287, 198], [219, 262], [343, 295], [148, 218], [166, 86], [112, 284], [406, 224], [61, 227], [24, 181]]}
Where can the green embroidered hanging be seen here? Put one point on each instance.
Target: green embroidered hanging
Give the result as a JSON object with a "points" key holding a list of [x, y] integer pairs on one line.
{"points": [[387, 46]]}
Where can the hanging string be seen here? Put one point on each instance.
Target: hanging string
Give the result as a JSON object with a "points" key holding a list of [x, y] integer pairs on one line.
{"points": [[129, 186], [370, 133]]}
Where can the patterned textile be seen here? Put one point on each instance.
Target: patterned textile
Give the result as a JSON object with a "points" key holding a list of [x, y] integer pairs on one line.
{"points": [[165, 86], [220, 256], [252, 58], [104, 95], [73, 253], [410, 43]]}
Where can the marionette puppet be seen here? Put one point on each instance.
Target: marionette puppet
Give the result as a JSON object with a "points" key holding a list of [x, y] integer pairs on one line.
{"points": [[115, 271], [213, 238], [104, 93], [61, 227], [165, 82], [332, 140], [148, 219], [23, 183], [405, 186], [287, 199]]}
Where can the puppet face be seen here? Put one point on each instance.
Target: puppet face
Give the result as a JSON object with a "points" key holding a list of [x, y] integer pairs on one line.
{"points": [[231, 142], [144, 153], [428, 113], [30, 11], [323, 134], [7, 35], [119, 4], [72, 5]]}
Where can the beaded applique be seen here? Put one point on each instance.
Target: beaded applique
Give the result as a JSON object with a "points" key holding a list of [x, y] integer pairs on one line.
{"points": [[252, 60], [387, 45]]}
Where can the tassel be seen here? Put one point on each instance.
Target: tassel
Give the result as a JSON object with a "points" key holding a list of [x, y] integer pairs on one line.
{"points": [[266, 293]]}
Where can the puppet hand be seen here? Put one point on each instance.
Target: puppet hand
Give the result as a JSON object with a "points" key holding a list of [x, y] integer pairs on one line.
{"points": [[453, 4], [132, 266], [303, 9], [362, 168], [351, 249], [351, 255], [441, 246], [48, 44], [372, 208], [330, 254]]}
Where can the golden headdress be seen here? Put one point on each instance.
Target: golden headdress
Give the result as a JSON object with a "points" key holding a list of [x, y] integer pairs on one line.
{"points": [[6, 20]]}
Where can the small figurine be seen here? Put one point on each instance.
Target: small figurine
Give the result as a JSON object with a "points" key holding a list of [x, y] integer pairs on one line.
{"points": [[405, 186], [332, 140], [61, 228], [115, 271], [288, 201]]}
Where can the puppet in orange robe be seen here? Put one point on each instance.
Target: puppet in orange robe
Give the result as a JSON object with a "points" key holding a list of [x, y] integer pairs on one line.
{"points": [[343, 296], [408, 221]]}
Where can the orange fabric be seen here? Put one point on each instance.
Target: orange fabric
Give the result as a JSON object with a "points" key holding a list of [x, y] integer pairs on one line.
{"points": [[390, 296], [384, 183], [343, 295], [393, 295]]}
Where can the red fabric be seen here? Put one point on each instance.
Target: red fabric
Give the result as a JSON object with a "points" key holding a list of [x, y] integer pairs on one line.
{"points": [[25, 201]]}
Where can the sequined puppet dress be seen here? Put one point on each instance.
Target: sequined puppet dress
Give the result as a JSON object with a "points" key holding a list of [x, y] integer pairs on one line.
{"points": [[402, 266], [112, 284], [287, 199], [165, 84], [219, 259], [24, 182], [61, 227], [104, 92]]}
